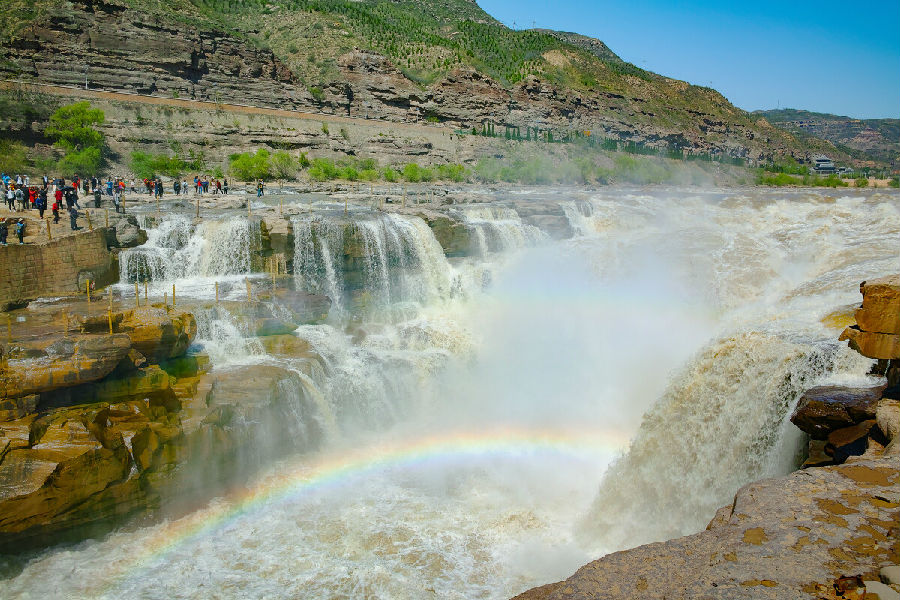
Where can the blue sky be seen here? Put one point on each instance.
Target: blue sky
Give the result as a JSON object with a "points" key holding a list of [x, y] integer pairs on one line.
{"points": [[826, 56]]}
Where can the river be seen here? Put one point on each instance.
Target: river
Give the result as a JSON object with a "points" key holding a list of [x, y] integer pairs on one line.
{"points": [[496, 421]]}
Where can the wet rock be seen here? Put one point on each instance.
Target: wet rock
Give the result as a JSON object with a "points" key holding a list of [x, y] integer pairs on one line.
{"points": [[124, 232], [453, 235], [787, 538], [821, 410], [816, 455], [877, 333]]}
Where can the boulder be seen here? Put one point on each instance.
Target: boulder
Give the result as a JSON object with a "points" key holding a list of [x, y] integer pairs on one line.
{"points": [[821, 410], [880, 312]]}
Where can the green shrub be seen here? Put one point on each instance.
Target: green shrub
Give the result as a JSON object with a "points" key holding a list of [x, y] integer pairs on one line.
{"points": [[455, 172], [349, 173], [323, 169], [325, 128], [390, 175], [72, 126], [283, 166], [81, 162], [413, 173], [145, 165], [894, 183], [862, 182], [13, 157], [247, 167], [368, 175], [779, 179]]}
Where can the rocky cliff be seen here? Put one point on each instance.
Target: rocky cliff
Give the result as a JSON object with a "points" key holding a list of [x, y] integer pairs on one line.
{"points": [[565, 82]]}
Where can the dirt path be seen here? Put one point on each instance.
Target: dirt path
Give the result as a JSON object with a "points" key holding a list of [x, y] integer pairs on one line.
{"points": [[58, 90]]}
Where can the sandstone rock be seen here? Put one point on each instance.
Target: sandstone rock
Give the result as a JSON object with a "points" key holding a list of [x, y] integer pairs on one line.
{"points": [[788, 538], [880, 312], [876, 590], [890, 574], [159, 334], [849, 441], [79, 360], [16, 408], [821, 410], [816, 456], [888, 417], [872, 345]]}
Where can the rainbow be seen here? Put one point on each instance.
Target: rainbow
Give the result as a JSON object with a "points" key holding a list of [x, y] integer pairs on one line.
{"points": [[338, 468]]}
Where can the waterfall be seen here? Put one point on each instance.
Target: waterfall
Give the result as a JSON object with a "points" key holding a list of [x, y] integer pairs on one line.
{"points": [[176, 249], [374, 262], [498, 228], [717, 426]]}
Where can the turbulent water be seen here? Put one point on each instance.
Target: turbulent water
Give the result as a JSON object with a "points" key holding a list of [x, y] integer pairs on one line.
{"points": [[495, 422]]}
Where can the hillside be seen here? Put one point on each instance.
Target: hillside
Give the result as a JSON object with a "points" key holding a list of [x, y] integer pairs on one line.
{"points": [[868, 139], [394, 60]]}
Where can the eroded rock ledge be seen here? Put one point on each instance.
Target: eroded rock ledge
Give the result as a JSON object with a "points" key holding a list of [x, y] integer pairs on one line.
{"points": [[96, 426]]}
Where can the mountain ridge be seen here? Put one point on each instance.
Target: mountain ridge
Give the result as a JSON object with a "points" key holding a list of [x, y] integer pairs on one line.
{"points": [[396, 60]]}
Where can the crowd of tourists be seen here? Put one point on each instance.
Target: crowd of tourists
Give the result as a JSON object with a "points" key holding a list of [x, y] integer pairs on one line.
{"points": [[22, 194]]}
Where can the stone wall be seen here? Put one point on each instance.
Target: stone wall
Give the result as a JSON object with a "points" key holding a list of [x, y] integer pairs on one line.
{"points": [[58, 267]]}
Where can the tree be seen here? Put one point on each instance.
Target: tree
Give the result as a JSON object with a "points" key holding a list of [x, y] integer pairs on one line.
{"points": [[71, 126]]}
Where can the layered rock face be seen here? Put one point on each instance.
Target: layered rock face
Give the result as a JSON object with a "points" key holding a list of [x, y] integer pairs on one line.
{"points": [[877, 332], [111, 46], [95, 427]]}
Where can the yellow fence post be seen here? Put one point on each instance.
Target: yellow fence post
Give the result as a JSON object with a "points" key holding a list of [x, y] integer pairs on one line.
{"points": [[87, 286], [217, 292], [137, 295], [173, 295], [49, 234]]}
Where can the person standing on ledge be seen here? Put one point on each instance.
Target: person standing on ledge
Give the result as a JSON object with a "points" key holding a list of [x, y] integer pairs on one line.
{"points": [[73, 218], [259, 188], [41, 202], [20, 231], [4, 230]]}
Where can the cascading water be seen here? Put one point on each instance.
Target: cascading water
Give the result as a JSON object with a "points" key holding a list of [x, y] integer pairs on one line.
{"points": [[377, 260], [176, 249], [471, 438], [499, 228]]}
